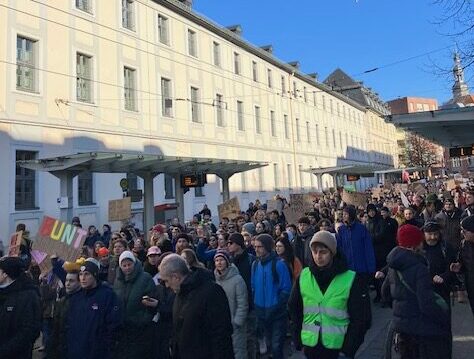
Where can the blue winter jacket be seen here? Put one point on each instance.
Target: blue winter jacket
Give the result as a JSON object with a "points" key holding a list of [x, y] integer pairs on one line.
{"points": [[355, 243], [270, 295], [92, 323]]}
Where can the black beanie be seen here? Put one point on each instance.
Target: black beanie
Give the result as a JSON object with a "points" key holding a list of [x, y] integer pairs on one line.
{"points": [[351, 211], [371, 207], [91, 267], [266, 240], [12, 266], [238, 239]]}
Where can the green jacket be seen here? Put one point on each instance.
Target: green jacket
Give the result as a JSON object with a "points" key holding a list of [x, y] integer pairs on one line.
{"points": [[130, 292]]}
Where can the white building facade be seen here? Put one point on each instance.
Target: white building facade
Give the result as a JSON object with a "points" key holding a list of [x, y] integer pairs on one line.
{"points": [[155, 77]]}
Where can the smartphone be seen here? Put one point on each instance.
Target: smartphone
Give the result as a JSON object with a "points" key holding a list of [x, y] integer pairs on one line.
{"points": [[145, 297]]}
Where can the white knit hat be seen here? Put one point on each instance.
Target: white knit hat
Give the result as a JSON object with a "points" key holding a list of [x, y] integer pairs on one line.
{"points": [[127, 255]]}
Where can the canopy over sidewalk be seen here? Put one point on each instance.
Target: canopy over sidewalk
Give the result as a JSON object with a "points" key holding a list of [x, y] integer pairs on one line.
{"points": [[146, 166]]}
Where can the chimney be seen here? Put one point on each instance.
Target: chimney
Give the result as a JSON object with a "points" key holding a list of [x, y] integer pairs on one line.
{"points": [[295, 64], [314, 76], [236, 29], [267, 48]]}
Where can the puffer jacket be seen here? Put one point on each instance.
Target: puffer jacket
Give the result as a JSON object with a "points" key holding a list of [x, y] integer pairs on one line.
{"points": [[416, 313], [301, 246], [20, 319], [137, 333], [236, 292]]}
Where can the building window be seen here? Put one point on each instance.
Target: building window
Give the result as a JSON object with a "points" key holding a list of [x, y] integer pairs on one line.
{"points": [[163, 30], [128, 14], [219, 110], [340, 140], [169, 187], [25, 182], [305, 94], [269, 78], [283, 86], [258, 125], [85, 189], [199, 192], [129, 80], [308, 132], [288, 173], [216, 47], [236, 63], [300, 174], [260, 179], [315, 102], [26, 73], [326, 136], [272, 123], [166, 100], [331, 106], [84, 5], [192, 46], [276, 177], [84, 78], [285, 124], [240, 116], [324, 102], [195, 105], [317, 134], [254, 71], [334, 138], [295, 90], [298, 139]]}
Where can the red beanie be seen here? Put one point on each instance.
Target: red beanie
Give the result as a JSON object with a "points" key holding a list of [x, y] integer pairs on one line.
{"points": [[409, 236]]}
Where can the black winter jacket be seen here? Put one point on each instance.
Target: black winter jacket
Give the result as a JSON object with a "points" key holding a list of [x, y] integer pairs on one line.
{"points": [[358, 306], [415, 314], [202, 326], [243, 262], [301, 246], [384, 241], [451, 226], [20, 318]]}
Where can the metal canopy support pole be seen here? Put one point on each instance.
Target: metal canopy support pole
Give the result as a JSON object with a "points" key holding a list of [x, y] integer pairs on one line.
{"points": [[225, 187], [319, 180], [65, 194], [148, 200], [179, 197]]}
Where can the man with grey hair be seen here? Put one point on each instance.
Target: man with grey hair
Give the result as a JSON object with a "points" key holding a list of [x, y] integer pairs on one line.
{"points": [[202, 325]]}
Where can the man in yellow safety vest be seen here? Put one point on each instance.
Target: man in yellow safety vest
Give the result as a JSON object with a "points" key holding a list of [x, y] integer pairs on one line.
{"points": [[328, 305]]}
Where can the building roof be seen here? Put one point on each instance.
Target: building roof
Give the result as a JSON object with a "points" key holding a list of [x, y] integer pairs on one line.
{"points": [[110, 162], [187, 12], [448, 127], [341, 82]]}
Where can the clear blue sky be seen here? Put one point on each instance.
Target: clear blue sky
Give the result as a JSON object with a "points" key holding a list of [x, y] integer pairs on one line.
{"points": [[353, 35]]}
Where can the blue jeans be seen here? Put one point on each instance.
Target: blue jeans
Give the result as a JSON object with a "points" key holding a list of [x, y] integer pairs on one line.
{"points": [[275, 333]]}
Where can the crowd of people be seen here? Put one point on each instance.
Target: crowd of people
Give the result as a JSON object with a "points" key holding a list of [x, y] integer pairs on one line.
{"points": [[235, 290]]}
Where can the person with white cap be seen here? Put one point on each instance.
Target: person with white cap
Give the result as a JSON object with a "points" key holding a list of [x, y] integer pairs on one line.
{"points": [[135, 289], [328, 304]]}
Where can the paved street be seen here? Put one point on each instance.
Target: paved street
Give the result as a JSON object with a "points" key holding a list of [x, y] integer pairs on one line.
{"points": [[373, 347]]}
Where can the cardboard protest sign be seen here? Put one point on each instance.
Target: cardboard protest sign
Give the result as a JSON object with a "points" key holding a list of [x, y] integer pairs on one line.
{"points": [[377, 192], [15, 242], [120, 209], [229, 209], [272, 204], [356, 199], [60, 238], [401, 187], [292, 214], [302, 202], [450, 184], [387, 185]]}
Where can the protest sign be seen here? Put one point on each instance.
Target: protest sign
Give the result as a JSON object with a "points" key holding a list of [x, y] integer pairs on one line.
{"points": [[120, 209], [57, 238], [377, 192], [404, 199], [356, 199], [15, 242], [302, 202], [450, 184], [229, 209], [401, 187], [272, 204], [292, 214]]}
